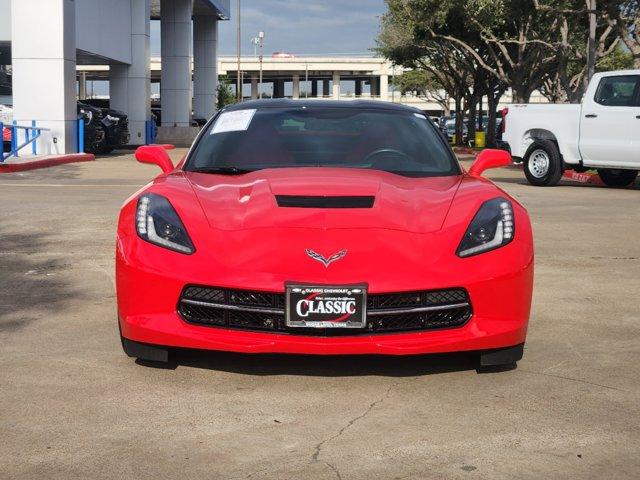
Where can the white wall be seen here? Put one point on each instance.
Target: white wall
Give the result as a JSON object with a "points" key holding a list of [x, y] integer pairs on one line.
{"points": [[103, 28], [47, 98], [5, 20]]}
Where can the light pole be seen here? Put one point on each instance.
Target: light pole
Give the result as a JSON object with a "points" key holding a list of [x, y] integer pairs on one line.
{"points": [[239, 46], [260, 44], [306, 80]]}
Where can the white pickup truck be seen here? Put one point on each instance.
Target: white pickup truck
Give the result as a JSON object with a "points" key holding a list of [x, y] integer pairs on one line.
{"points": [[602, 133]]}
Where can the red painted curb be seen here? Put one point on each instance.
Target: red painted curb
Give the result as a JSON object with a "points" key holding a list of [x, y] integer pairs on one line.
{"points": [[48, 162], [591, 178], [465, 151]]}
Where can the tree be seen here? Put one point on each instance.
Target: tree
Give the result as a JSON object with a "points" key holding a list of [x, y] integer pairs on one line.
{"points": [[586, 36], [625, 17], [507, 38], [398, 41], [618, 59], [424, 85], [406, 41], [225, 93]]}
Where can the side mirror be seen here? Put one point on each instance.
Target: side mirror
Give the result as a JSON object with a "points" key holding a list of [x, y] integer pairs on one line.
{"points": [[490, 158], [155, 154]]}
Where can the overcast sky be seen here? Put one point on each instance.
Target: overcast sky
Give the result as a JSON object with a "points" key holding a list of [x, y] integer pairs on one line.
{"points": [[299, 26]]}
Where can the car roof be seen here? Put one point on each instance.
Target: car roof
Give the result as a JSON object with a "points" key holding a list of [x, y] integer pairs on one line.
{"points": [[314, 103]]}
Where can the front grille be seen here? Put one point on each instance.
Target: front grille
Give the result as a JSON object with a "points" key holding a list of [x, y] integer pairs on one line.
{"points": [[265, 311]]}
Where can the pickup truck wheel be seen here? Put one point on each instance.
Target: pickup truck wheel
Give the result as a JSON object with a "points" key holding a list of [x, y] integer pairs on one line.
{"points": [[542, 164], [615, 177]]}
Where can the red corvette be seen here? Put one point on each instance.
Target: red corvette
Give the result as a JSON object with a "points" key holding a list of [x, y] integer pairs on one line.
{"points": [[323, 228]]}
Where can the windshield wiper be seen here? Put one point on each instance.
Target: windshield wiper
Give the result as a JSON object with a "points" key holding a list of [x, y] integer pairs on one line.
{"points": [[222, 170]]}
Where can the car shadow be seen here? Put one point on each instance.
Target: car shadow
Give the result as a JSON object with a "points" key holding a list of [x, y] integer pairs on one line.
{"points": [[31, 284], [69, 171], [324, 366]]}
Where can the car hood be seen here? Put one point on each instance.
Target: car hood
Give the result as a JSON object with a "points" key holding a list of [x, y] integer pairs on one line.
{"points": [[255, 200]]}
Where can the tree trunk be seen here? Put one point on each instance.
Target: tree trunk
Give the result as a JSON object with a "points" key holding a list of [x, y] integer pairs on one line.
{"points": [[591, 43], [493, 98], [446, 108], [471, 123], [521, 94], [459, 121]]}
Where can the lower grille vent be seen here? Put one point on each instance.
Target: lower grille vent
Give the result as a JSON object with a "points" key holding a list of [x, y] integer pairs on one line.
{"points": [[265, 311]]}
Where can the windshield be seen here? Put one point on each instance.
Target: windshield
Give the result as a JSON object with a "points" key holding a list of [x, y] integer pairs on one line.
{"points": [[400, 142]]}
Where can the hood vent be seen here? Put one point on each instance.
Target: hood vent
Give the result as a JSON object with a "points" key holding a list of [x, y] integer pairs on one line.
{"points": [[302, 201]]}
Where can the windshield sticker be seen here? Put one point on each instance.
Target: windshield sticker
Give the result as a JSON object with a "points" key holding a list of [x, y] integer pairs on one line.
{"points": [[235, 121]]}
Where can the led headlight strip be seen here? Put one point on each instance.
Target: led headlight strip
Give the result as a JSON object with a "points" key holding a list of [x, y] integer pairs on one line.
{"points": [[492, 227], [157, 222]]}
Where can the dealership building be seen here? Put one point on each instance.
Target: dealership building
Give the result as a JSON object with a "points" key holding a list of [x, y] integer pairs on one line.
{"points": [[43, 41]]}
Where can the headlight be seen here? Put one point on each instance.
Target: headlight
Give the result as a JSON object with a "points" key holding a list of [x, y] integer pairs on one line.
{"points": [[492, 227], [158, 223]]}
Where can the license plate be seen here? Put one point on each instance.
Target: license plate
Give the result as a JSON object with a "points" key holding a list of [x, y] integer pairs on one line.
{"points": [[321, 306]]}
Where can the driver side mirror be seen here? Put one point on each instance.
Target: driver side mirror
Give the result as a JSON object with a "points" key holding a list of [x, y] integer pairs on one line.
{"points": [[489, 158], [157, 155]]}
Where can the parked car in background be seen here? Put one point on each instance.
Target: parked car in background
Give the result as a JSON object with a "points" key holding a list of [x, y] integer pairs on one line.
{"points": [[449, 130], [6, 93], [602, 133], [115, 122], [6, 139], [156, 115], [6, 117], [94, 130]]}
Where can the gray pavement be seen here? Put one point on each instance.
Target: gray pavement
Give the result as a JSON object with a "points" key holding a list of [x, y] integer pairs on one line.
{"points": [[73, 406]]}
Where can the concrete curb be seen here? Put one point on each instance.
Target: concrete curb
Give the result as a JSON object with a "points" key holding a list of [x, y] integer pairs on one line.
{"points": [[46, 162]]}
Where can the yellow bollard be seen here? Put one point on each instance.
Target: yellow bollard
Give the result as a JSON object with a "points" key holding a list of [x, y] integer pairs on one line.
{"points": [[453, 139], [481, 139]]}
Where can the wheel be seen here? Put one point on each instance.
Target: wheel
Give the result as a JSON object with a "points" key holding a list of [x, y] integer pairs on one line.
{"points": [[542, 164], [615, 177], [106, 150]]}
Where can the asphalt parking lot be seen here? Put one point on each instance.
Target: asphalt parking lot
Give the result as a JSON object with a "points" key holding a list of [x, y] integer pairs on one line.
{"points": [[72, 405]]}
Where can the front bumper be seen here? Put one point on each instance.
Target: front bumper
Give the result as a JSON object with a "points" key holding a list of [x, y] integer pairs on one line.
{"points": [[148, 299]]}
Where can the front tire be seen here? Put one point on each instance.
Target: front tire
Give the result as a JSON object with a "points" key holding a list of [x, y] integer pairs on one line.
{"points": [[614, 177], [542, 164]]}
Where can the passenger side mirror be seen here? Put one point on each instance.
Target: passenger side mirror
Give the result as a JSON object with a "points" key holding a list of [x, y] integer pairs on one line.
{"points": [[157, 155], [490, 158]]}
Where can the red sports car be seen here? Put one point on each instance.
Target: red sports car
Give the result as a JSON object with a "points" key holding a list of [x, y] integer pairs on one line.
{"points": [[318, 227]]}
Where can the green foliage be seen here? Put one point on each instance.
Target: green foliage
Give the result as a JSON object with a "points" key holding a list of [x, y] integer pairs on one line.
{"points": [[618, 59], [526, 45], [419, 82], [225, 93]]}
